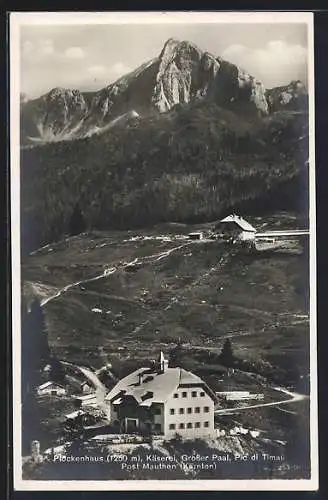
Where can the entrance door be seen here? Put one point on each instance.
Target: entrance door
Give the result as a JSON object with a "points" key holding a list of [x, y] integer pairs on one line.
{"points": [[131, 425], [148, 427]]}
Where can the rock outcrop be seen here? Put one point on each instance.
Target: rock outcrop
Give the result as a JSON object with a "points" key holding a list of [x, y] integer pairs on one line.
{"points": [[185, 73], [293, 96], [182, 74], [54, 116]]}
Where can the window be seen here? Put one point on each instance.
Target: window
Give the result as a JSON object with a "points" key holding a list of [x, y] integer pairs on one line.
{"points": [[202, 394], [184, 394], [197, 409], [172, 427], [189, 410], [175, 395], [189, 425], [157, 411], [197, 425], [172, 411], [181, 411], [206, 409], [157, 427], [206, 424], [181, 426], [194, 394]]}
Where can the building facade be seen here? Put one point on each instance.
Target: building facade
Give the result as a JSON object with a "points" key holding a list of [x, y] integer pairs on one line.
{"points": [[87, 400], [52, 389], [162, 400], [237, 228]]}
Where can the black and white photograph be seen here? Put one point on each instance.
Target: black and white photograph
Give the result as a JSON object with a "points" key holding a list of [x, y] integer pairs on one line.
{"points": [[163, 251]]}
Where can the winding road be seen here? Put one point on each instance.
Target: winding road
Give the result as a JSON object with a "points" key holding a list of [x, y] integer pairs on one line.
{"points": [[92, 377], [294, 398], [101, 392]]}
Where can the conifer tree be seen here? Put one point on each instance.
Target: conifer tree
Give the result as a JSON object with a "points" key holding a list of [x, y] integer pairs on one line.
{"points": [[77, 222], [34, 355], [57, 373], [35, 352], [176, 355], [226, 356]]}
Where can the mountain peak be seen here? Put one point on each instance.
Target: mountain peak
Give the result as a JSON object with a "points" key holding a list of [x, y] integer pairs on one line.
{"points": [[184, 73], [173, 46]]}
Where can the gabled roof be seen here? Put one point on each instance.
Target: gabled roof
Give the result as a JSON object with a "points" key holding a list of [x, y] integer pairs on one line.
{"points": [[156, 386], [242, 223], [48, 384], [74, 414], [86, 397]]}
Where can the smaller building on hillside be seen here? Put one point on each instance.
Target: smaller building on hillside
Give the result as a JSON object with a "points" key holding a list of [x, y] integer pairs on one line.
{"points": [[86, 388], [52, 389], [196, 235], [238, 395], [73, 415], [236, 228], [87, 400]]}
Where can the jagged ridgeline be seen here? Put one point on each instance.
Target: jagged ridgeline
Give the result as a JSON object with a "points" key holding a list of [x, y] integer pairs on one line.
{"points": [[185, 137]]}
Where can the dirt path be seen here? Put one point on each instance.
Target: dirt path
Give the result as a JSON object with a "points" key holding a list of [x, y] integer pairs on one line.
{"points": [[148, 259]]}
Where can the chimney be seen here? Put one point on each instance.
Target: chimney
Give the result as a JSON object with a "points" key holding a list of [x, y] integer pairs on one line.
{"points": [[164, 363], [140, 375]]}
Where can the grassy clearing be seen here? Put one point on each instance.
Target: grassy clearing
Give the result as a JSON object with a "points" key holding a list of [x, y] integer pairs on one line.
{"points": [[200, 293]]}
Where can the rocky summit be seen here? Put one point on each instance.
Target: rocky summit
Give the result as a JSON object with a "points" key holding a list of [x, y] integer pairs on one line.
{"points": [[181, 74], [291, 96]]}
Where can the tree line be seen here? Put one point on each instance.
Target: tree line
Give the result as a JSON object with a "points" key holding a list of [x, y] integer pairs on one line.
{"points": [[188, 165]]}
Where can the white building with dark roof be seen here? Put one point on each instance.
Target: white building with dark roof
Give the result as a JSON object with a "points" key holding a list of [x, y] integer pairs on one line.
{"points": [[52, 389], [237, 227], [162, 400]]}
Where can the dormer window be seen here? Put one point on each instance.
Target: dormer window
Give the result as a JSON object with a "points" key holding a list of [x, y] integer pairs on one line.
{"points": [[149, 394]]}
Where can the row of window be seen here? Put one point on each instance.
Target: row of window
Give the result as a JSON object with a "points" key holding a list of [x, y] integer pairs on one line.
{"points": [[206, 409], [185, 394], [189, 425]]}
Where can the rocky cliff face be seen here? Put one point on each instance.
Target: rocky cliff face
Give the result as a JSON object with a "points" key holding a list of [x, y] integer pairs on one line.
{"points": [[56, 115], [181, 74], [293, 96], [186, 73]]}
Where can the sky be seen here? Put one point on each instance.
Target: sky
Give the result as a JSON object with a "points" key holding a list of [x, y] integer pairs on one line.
{"points": [[89, 57]]}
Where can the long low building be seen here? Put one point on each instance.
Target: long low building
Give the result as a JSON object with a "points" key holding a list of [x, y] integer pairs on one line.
{"points": [[238, 395], [87, 399]]}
